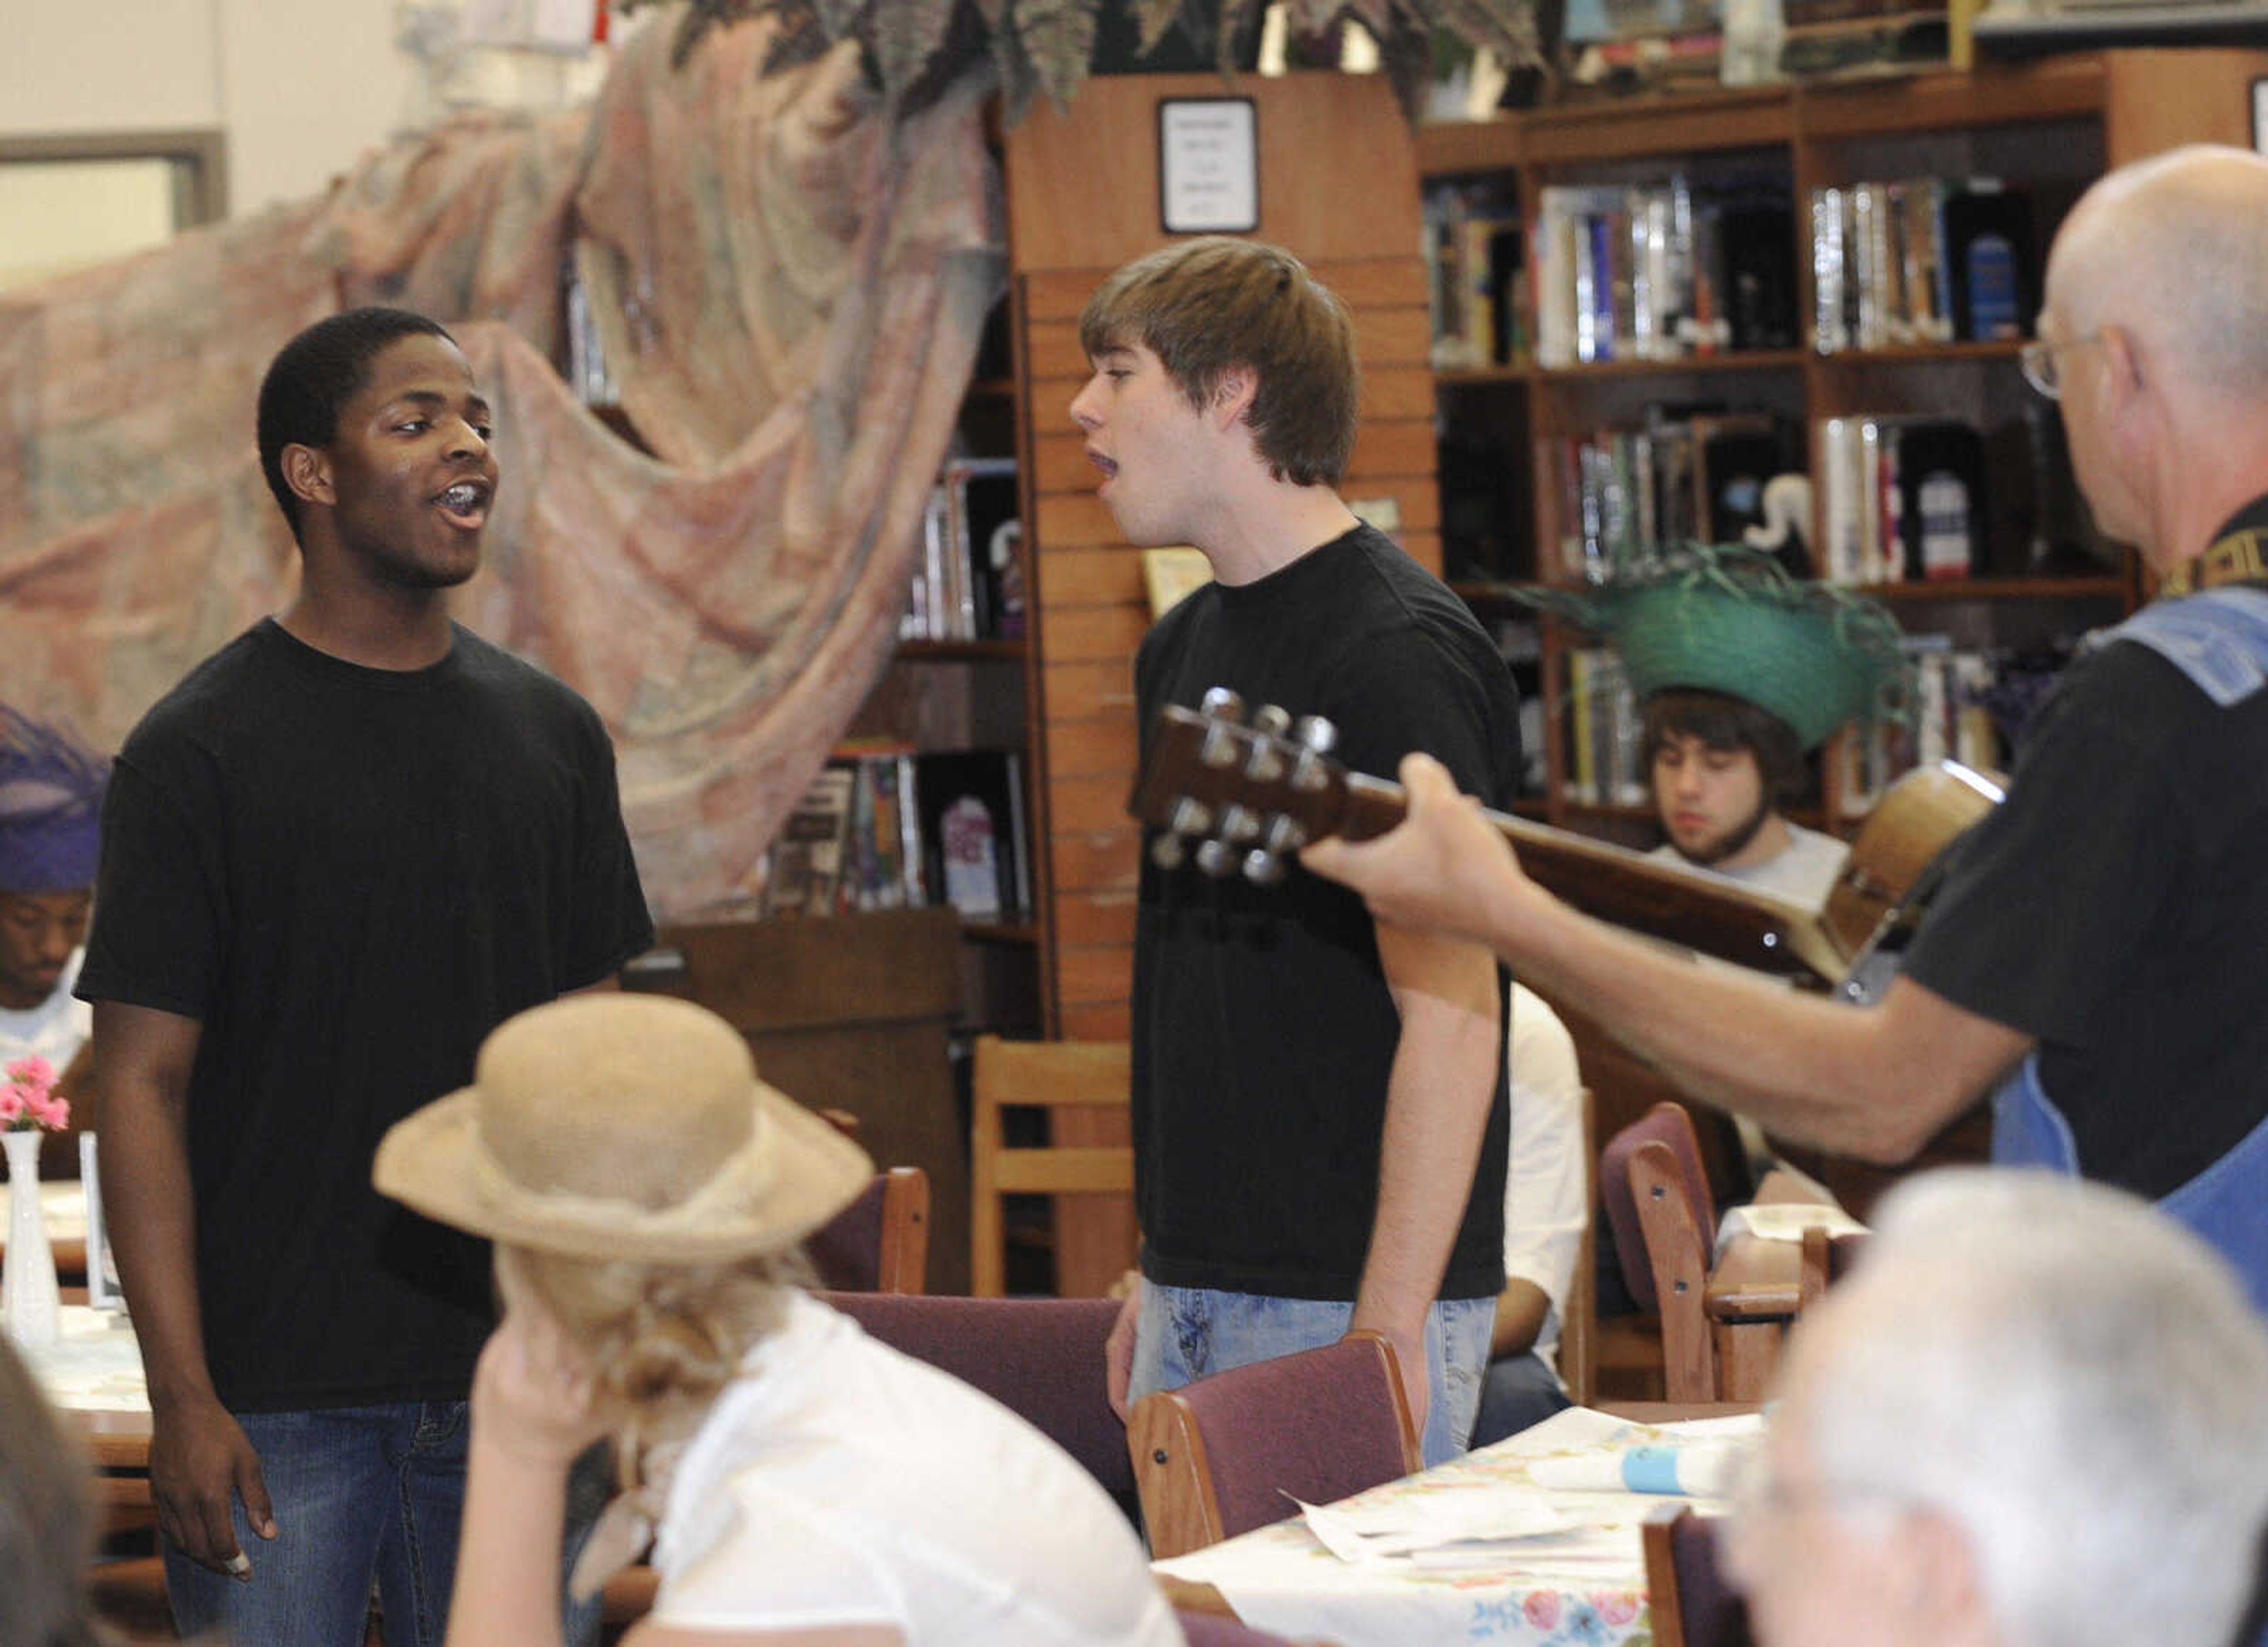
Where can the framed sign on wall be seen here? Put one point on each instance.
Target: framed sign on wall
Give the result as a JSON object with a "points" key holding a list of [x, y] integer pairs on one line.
{"points": [[1208, 165]]}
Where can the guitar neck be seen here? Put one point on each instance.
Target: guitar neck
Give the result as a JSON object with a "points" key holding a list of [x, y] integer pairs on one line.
{"points": [[1702, 912]]}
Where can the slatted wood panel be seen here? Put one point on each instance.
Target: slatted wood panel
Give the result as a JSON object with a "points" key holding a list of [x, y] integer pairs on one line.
{"points": [[1338, 185]]}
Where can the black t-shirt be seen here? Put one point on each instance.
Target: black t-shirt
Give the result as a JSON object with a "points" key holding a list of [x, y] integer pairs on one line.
{"points": [[1264, 1031], [2115, 906], [348, 876]]}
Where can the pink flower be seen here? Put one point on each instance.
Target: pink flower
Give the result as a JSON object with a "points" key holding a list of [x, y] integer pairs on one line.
{"points": [[32, 1071], [1616, 1606], [11, 1107], [58, 1115], [1542, 1609]]}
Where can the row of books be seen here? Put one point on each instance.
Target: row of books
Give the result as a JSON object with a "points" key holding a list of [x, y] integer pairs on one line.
{"points": [[1475, 278], [1606, 732], [1923, 259], [1901, 498], [969, 586], [884, 827], [1665, 272], [1623, 495], [1948, 720]]}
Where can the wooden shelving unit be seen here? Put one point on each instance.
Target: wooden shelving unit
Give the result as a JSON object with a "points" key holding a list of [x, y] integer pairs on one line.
{"points": [[2053, 126]]}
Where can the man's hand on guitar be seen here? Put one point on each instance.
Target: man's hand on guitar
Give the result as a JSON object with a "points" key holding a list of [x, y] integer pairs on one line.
{"points": [[1443, 869]]}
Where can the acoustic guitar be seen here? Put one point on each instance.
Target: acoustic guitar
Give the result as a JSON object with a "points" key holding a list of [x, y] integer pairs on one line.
{"points": [[1241, 795]]}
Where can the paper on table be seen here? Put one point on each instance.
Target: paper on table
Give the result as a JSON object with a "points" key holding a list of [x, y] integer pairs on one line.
{"points": [[1429, 1521], [1783, 1221]]}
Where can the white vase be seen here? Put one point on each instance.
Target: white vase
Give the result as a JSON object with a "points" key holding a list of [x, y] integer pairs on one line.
{"points": [[28, 1307]]}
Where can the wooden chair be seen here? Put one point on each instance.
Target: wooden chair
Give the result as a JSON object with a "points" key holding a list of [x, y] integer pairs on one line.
{"points": [[1693, 1602], [1826, 1260], [880, 1243], [1087, 1085], [1657, 1197], [1579, 1317], [1215, 1458]]}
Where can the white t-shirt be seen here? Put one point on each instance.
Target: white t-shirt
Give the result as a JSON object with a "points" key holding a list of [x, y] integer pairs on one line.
{"points": [[1546, 1191], [839, 1483], [1804, 872], [55, 1030]]}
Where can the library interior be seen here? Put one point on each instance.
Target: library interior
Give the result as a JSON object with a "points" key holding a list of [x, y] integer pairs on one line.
{"points": [[1133, 821]]}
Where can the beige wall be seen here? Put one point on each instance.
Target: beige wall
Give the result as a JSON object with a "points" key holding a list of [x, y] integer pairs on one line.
{"points": [[300, 87]]}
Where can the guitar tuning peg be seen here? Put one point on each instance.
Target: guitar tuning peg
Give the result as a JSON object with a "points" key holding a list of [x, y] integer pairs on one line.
{"points": [[1167, 852], [1315, 733], [1263, 869], [1191, 817], [1240, 826], [1217, 858], [1271, 720], [1285, 835], [1221, 704]]}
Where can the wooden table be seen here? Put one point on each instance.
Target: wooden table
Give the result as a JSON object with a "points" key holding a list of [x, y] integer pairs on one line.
{"points": [[1585, 1585]]}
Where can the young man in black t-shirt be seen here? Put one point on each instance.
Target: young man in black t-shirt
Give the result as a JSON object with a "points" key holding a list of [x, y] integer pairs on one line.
{"points": [[342, 850], [1319, 1105], [2090, 962]]}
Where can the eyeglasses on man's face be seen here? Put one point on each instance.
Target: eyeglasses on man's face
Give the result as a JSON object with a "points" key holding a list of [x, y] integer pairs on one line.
{"points": [[2038, 359]]}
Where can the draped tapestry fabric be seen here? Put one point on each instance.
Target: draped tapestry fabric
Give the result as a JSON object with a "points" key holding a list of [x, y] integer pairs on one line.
{"points": [[789, 275]]}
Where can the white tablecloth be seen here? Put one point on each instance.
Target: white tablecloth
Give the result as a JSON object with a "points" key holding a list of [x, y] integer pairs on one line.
{"points": [[94, 1365], [1583, 1587]]}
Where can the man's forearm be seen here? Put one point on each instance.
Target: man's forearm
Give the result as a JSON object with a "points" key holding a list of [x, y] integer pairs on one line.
{"points": [[151, 1210], [1807, 1067], [1437, 1099]]}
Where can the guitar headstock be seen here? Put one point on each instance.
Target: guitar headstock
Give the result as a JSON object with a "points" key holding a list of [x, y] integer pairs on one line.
{"points": [[1238, 794]]}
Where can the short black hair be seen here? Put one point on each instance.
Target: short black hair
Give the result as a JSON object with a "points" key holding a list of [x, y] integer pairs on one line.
{"points": [[312, 378], [1730, 724]]}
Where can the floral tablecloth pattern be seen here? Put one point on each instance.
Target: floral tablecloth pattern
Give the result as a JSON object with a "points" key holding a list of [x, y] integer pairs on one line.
{"points": [[1584, 1586]]}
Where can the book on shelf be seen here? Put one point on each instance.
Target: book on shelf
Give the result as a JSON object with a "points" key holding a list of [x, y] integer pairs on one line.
{"points": [[1623, 496], [1947, 719], [975, 852], [1911, 262], [1903, 497], [1663, 272], [804, 868], [1474, 254], [969, 585], [1605, 732]]}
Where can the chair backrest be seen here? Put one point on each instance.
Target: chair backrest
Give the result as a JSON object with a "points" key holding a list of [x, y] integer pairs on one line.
{"points": [[1657, 1198], [1041, 1358], [1087, 1085], [880, 1243], [1826, 1260], [1579, 1316], [1693, 1602], [1214, 1458]]}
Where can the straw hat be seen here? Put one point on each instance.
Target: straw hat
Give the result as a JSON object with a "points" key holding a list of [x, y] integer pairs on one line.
{"points": [[1730, 620], [622, 1126]]}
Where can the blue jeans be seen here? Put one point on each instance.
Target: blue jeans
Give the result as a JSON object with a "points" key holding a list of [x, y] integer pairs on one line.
{"points": [[361, 1495], [1186, 1332], [1518, 1391]]}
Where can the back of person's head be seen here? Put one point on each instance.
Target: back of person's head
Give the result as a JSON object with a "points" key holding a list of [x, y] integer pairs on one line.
{"points": [[313, 376], [1211, 305], [1728, 726], [51, 793], [2174, 248], [46, 1521], [2075, 1381]]}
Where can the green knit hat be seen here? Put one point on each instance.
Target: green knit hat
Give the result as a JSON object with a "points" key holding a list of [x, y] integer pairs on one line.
{"points": [[1730, 620]]}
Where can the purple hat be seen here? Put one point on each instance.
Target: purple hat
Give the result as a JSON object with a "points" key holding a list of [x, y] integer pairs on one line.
{"points": [[50, 807]]}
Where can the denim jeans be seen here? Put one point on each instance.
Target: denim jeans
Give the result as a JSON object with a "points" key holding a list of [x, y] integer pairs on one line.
{"points": [[361, 1494], [1186, 1332], [1518, 1391]]}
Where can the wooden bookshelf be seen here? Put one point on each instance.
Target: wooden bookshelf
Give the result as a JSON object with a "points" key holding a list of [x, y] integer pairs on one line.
{"points": [[2053, 126]]}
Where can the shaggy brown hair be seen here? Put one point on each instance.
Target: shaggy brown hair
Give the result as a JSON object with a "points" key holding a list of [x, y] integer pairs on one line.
{"points": [[1207, 306]]}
